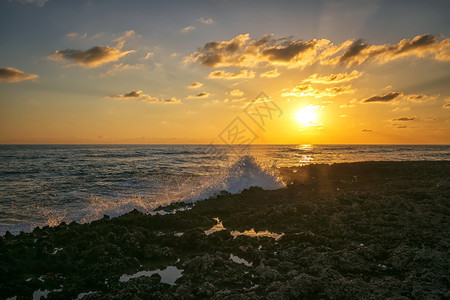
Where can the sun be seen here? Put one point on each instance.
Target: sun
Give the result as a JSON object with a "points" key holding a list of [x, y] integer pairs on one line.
{"points": [[307, 116]]}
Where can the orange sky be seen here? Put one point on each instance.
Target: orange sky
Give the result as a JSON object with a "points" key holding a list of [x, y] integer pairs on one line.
{"points": [[181, 73]]}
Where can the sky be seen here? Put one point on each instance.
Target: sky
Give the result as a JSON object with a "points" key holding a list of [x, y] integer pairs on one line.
{"points": [[223, 71]]}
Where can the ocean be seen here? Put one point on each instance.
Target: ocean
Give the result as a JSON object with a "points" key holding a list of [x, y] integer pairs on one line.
{"points": [[49, 184]]}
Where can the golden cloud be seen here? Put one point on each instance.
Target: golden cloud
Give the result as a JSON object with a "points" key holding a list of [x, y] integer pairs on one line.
{"points": [[14, 75], [236, 93], [306, 90], [227, 75], [333, 78], [187, 29], [138, 95], [270, 74], [120, 41], [244, 51], [91, 58], [195, 85]]}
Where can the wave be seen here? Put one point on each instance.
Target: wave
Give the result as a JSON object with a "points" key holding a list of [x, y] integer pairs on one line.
{"points": [[244, 173]]}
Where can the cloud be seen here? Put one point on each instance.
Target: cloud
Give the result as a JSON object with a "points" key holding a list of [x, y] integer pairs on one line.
{"points": [[148, 55], [270, 74], [120, 41], [14, 75], [123, 67], [236, 93], [37, 2], [420, 46], [333, 78], [195, 85], [73, 35], [402, 126], [207, 21], [367, 130], [187, 29], [138, 95], [91, 58], [420, 97], [227, 75], [383, 98], [199, 95], [132, 94], [306, 90], [446, 105], [244, 51], [393, 96], [404, 119]]}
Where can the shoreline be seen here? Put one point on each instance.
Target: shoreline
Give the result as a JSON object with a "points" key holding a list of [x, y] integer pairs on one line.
{"points": [[350, 230]]}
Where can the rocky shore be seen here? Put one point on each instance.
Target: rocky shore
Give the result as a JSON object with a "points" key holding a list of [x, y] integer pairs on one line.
{"points": [[370, 230]]}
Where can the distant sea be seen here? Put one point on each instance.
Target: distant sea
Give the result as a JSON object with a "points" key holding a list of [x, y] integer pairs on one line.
{"points": [[48, 184]]}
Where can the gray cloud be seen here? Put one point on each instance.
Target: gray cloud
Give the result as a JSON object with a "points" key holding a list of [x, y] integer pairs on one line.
{"points": [[383, 98], [91, 58], [244, 51], [195, 85], [404, 119], [138, 95], [394, 96], [14, 75], [199, 95], [205, 21], [37, 2]]}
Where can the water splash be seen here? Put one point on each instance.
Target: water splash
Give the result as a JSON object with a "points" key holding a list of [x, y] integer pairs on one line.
{"points": [[246, 172]]}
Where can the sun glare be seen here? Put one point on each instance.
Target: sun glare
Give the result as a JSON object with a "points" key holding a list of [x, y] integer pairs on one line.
{"points": [[307, 116]]}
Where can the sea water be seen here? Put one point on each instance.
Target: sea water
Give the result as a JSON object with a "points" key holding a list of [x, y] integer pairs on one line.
{"points": [[48, 184]]}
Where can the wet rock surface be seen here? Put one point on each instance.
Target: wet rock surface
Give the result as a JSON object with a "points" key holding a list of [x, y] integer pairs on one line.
{"points": [[363, 230]]}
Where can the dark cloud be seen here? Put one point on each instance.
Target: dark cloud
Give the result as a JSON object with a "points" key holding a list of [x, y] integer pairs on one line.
{"points": [[199, 95], [367, 130], [244, 51], [446, 105], [404, 119], [384, 98], [195, 85], [14, 75], [333, 78], [355, 49], [394, 96], [91, 58], [287, 52], [420, 46], [138, 95]]}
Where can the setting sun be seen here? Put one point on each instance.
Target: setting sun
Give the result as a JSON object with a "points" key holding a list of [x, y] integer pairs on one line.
{"points": [[307, 116]]}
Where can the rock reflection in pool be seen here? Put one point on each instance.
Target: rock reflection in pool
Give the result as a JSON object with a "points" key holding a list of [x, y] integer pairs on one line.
{"points": [[168, 275]]}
